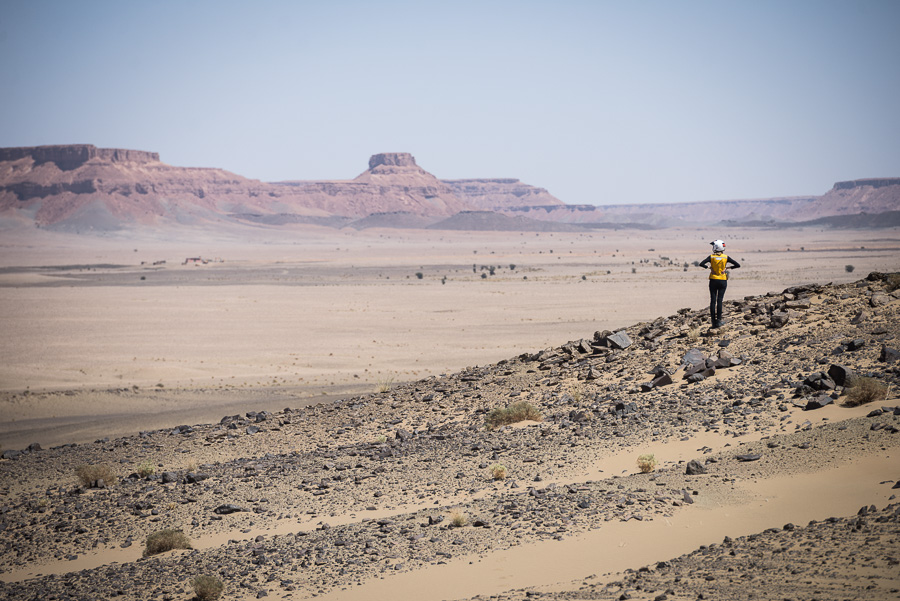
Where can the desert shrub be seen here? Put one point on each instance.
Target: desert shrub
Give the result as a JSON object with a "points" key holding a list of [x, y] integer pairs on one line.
{"points": [[517, 412], [498, 472], [849, 268], [381, 439], [865, 390], [88, 474], [693, 334], [646, 463], [420, 275], [458, 519], [145, 468], [166, 540], [385, 384], [207, 588]]}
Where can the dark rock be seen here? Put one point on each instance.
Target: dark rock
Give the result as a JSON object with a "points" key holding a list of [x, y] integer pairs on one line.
{"points": [[169, 477], [694, 357], [33, 447], [686, 497], [840, 374], [227, 509], [856, 344], [252, 429], [818, 402], [694, 467], [749, 457], [779, 319], [619, 340], [889, 355]]}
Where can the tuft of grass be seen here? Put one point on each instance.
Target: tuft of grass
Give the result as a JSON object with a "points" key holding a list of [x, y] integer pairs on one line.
{"points": [[517, 412], [166, 540], [207, 588], [498, 471], [864, 390], [385, 384], [646, 463], [381, 439], [693, 334], [145, 468], [88, 474], [458, 519]]}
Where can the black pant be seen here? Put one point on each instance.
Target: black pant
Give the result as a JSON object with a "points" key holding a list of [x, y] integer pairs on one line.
{"points": [[716, 294]]}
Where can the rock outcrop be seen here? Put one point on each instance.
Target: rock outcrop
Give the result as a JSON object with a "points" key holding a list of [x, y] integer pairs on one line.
{"points": [[499, 194]]}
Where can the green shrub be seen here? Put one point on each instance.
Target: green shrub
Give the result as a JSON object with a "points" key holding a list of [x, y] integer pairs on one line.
{"points": [[166, 540], [88, 474], [207, 588], [849, 268], [864, 390], [517, 412]]}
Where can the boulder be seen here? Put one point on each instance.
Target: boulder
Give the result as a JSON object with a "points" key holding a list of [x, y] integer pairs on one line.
{"points": [[619, 340], [889, 355], [840, 374], [818, 402], [694, 467], [227, 509]]}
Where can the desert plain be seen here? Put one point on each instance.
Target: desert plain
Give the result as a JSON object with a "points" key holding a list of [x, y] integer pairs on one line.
{"points": [[313, 404]]}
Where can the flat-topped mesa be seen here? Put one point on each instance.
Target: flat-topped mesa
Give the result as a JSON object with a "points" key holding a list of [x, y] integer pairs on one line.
{"points": [[392, 159], [875, 182], [71, 156]]}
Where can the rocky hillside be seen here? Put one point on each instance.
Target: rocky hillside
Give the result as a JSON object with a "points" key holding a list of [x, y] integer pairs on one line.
{"points": [[499, 194], [307, 501]]}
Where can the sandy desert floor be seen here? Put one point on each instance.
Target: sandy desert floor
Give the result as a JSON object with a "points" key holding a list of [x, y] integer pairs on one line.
{"points": [[334, 404], [294, 318]]}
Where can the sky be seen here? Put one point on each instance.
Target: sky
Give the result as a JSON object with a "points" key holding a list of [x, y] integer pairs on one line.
{"points": [[598, 102]]}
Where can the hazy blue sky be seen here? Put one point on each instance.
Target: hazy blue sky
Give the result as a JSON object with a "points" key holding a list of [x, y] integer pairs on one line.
{"points": [[599, 102]]}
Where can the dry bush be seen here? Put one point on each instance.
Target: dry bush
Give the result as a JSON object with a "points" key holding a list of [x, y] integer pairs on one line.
{"points": [[517, 412], [166, 540], [865, 390], [498, 471], [458, 519], [88, 474], [207, 588], [693, 334], [145, 468], [646, 463], [385, 384]]}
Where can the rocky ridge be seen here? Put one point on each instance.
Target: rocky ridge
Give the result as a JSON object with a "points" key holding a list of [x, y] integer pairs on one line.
{"points": [[326, 496]]}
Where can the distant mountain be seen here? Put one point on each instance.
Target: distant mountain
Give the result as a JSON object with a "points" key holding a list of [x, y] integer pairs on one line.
{"points": [[81, 187]]}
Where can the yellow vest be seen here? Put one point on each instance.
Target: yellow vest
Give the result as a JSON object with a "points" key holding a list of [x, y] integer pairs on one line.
{"points": [[717, 264]]}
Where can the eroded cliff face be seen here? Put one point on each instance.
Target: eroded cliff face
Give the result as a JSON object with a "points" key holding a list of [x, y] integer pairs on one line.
{"points": [[73, 156], [499, 194]]}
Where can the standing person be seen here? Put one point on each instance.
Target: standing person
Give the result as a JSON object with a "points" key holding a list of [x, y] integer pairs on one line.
{"points": [[718, 263]]}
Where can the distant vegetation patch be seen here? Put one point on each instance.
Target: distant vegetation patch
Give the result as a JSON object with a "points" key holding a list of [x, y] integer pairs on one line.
{"points": [[91, 475], [166, 540], [865, 390], [515, 413], [646, 463], [207, 588]]}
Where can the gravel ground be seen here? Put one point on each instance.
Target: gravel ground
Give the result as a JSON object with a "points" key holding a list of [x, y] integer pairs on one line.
{"points": [[305, 500]]}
